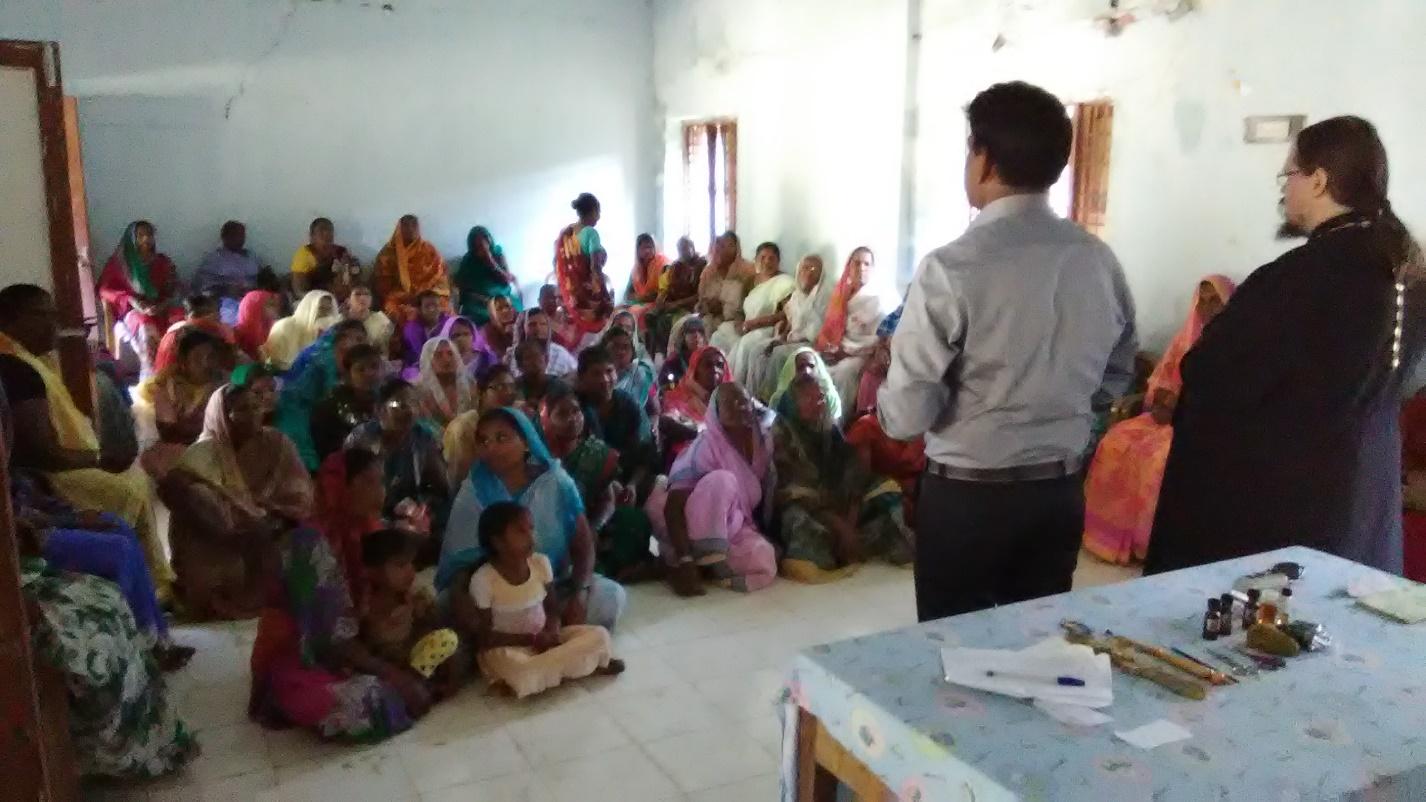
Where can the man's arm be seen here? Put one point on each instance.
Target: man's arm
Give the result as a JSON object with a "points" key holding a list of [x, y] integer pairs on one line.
{"points": [[1119, 372], [926, 344]]}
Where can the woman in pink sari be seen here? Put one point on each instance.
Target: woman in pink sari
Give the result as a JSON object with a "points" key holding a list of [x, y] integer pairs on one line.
{"points": [[707, 524], [1122, 490]]}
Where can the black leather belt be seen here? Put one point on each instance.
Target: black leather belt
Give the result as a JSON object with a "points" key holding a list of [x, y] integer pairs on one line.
{"points": [[1038, 472]]}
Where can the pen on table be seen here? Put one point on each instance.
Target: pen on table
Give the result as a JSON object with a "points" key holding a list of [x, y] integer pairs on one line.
{"points": [[1073, 682], [1187, 656]]}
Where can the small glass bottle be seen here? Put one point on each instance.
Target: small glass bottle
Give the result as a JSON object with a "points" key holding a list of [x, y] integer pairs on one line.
{"points": [[1225, 609], [1250, 610], [1267, 612], [1212, 620], [1284, 599]]}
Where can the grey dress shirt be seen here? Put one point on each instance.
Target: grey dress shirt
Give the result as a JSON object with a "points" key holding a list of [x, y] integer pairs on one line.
{"points": [[1007, 333]]}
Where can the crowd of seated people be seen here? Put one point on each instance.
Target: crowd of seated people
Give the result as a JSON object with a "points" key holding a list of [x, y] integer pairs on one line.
{"points": [[320, 438]]}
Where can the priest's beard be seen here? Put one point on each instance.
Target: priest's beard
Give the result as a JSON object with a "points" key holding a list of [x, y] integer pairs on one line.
{"points": [[1288, 229]]}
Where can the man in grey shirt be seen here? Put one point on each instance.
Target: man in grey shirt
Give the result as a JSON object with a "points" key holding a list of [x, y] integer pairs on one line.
{"points": [[1007, 334]]}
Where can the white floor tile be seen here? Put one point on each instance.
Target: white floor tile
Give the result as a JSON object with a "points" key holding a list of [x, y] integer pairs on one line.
{"points": [[563, 734], [753, 789], [710, 758], [524, 787], [744, 696], [258, 785], [622, 775], [374, 776], [662, 712], [230, 751], [464, 760]]}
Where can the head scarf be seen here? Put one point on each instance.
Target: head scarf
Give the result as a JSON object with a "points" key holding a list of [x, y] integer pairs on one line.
{"points": [[552, 499], [834, 323], [253, 326], [822, 438], [341, 529], [225, 471], [134, 264], [639, 379], [430, 386], [640, 352], [824, 380], [450, 325], [811, 307], [291, 335], [713, 450], [691, 399], [1166, 375], [476, 272], [644, 281]]}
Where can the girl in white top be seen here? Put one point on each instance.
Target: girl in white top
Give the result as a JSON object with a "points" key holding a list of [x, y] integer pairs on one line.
{"points": [[524, 649]]}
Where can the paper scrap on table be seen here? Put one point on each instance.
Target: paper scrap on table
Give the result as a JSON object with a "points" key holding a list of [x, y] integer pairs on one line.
{"points": [[1074, 715], [1374, 582], [1405, 604], [1030, 673], [1155, 733]]}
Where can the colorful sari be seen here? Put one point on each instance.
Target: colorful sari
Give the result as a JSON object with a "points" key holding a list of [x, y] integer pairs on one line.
{"points": [[310, 380], [290, 335], [679, 283], [167, 353], [477, 280], [673, 368], [853, 315], [726, 492], [583, 288], [762, 300], [556, 506], [121, 719], [311, 610], [624, 535], [404, 271], [638, 379], [1121, 492], [226, 503], [729, 288], [818, 477], [414, 336], [902, 460], [434, 403], [644, 283], [824, 380], [804, 311], [253, 326], [688, 402], [128, 494], [127, 278], [559, 360], [173, 400]]}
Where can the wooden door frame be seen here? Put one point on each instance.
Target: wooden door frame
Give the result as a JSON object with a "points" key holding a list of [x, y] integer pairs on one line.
{"points": [[42, 58]]}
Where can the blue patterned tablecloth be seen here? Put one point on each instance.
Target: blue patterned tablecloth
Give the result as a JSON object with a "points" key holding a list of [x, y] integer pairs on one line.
{"points": [[1349, 723]]}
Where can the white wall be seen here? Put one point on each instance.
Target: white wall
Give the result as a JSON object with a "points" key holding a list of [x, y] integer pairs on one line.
{"points": [[460, 111], [1187, 197], [24, 217]]}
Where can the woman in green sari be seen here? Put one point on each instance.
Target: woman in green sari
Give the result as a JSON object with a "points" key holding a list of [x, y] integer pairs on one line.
{"points": [[834, 514], [482, 275]]}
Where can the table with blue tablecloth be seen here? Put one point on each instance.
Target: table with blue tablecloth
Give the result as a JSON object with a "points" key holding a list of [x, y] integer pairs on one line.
{"points": [[1346, 723]]}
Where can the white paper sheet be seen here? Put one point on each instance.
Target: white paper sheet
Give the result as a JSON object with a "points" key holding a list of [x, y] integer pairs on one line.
{"points": [[1034, 671], [1155, 733], [1074, 715]]}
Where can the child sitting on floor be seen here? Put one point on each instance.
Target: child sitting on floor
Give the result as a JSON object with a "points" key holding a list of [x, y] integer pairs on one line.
{"points": [[524, 650], [399, 621]]}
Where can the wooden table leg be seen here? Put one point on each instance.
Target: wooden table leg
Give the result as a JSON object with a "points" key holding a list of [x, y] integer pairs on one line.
{"points": [[814, 782]]}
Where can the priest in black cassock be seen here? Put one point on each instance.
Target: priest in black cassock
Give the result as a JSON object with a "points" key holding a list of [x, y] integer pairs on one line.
{"points": [[1286, 430]]}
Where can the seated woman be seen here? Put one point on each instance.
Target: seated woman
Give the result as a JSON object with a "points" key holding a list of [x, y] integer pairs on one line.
{"points": [[562, 328], [707, 524], [534, 379], [230, 496], [759, 367], [482, 275], [805, 362], [1121, 492], [263, 383], [862, 299], [761, 311], [901, 460], [405, 268], [443, 390], [428, 322], [200, 313], [678, 294], [514, 465], [177, 398], [322, 264], [54, 438], [495, 338], [579, 264], [834, 514], [687, 337], [635, 372], [616, 418], [311, 380], [257, 313], [536, 325], [685, 407], [498, 389], [724, 283], [417, 481], [644, 279], [351, 403], [140, 287], [379, 328], [462, 333], [315, 313], [309, 668], [623, 530]]}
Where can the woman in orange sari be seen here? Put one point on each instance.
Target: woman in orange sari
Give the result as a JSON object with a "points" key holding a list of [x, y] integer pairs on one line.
{"points": [[579, 265], [644, 281], [406, 267], [1122, 490]]}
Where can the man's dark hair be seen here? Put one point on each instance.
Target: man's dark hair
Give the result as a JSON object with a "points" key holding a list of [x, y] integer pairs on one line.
{"points": [[392, 388], [17, 298], [594, 355], [320, 221], [384, 545], [267, 280], [1024, 132], [194, 338], [347, 326], [361, 352], [230, 226], [492, 373], [769, 246], [199, 301]]}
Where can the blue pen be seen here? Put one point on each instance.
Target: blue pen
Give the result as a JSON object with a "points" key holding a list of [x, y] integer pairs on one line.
{"points": [[1072, 682]]}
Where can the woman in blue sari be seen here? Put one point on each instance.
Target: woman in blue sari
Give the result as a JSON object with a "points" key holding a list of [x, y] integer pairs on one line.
{"points": [[513, 464], [311, 379], [482, 275], [634, 371]]}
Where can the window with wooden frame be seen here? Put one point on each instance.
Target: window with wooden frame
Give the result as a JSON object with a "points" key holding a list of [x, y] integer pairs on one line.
{"points": [[710, 184]]}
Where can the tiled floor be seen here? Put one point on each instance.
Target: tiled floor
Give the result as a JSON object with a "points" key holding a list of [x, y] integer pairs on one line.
{"points": [[692, 719]]}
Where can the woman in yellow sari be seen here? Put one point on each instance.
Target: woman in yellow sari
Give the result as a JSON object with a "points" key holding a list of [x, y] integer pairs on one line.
{"points": [[408, 266], [176, 397], [52, 436]]}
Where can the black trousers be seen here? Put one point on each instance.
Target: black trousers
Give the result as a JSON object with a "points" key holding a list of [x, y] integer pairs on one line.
{"points": [[980, 544]]}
